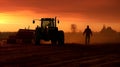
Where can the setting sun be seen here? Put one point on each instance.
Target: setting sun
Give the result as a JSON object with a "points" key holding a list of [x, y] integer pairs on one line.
{"points": [[4, 18]]}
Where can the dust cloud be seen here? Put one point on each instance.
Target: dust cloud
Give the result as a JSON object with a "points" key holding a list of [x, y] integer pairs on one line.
{"points": [[102, 37], [97, 38]]}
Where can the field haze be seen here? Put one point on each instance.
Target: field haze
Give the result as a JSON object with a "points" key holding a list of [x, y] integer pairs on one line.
{"points": [[78, 38], [97, 38]]}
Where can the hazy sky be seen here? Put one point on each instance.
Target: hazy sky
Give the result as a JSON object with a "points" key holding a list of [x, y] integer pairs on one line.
{"points": [[15, 14]]}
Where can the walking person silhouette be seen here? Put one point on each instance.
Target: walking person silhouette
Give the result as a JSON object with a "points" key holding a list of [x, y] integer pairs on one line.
{"points": [[88, 33]]}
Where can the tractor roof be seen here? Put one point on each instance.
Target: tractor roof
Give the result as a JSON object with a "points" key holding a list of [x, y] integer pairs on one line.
{"points": [[49, 19]]}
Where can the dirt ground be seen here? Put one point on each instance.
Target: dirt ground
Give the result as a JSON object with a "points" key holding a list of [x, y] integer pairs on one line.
{"points": [[70, 55]]}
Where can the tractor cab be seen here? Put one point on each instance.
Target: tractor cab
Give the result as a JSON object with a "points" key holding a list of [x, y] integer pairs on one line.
{"points": [[48, 22]]}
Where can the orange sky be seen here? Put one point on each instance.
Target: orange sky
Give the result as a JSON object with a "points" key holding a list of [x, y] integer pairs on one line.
{"points": [[16, 14]]}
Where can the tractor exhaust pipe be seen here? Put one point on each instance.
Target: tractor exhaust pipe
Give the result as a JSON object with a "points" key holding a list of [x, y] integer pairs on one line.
{"points": [[55, 21]]}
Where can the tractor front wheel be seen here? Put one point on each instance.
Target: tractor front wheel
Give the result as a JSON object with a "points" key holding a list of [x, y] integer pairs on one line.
{"points": [[60, 38], [37, 41]]}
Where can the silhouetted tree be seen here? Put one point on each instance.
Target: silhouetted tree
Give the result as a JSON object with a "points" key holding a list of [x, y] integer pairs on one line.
{"points": [[107, 30], [73, 28]]}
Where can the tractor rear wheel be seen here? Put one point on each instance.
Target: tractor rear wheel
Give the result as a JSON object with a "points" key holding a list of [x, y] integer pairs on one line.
{"points": [[60, 38], [54, 42]]}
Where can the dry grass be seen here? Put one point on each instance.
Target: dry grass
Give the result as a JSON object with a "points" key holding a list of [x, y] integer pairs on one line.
{"points": [[70, 55]]}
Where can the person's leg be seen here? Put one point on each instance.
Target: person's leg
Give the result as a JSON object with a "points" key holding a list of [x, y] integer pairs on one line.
{"points": [[89, 40], [86, 40]]}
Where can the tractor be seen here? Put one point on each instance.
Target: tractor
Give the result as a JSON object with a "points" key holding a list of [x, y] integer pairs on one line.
{"points": [[48, 31]]}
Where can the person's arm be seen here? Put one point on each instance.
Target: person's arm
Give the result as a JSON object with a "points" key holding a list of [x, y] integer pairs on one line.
{"points": [[91, 33], [84, 32]]}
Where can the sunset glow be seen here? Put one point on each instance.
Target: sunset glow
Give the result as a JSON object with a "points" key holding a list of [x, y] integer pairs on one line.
{"points": [[19, 14]]}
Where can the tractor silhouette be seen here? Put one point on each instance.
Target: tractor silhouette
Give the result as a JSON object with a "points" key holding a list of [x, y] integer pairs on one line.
{"points": [[47, 30], [22, 36]]}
